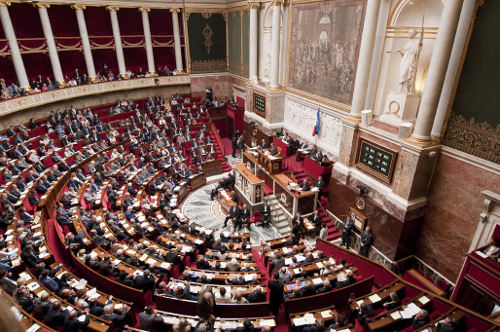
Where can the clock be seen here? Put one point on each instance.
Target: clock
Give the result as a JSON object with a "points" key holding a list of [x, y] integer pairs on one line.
{"points": [[360, 203]]}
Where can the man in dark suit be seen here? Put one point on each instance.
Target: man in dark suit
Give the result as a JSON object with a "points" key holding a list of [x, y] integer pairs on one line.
{"points": [[366, 242], [8, 285], [244, 217], [304, 186], [256, 295], [273, 150], [347, 226], [55, 316], [149, 319], [74, 324], [320, 184], [29, 258], [206, 305], [298, 219], [276, 293], [265, 214], [316, 220], [117, 319], [145, 282], [264, 145], [325, 288], [234, 215]]}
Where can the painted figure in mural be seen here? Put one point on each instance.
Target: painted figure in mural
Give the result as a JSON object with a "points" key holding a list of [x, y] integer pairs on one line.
{"points": [[409, 62]]}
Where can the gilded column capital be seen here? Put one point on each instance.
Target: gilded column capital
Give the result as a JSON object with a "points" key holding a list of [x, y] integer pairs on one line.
{"points": [[41, 5], [174, 10], [78, 7], [144, 9], [4, 3], [254, 5], [112, 8], [276, 2]]}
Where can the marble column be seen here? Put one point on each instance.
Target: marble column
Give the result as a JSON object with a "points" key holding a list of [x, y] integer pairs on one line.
{"points": [[451, 73], [47, 31], [378, 50], [177, 39], [275, 44], [147, 37], [253, 48], [87, 52], [17, 60], [113, 12], [437, 72], [365, 60]]}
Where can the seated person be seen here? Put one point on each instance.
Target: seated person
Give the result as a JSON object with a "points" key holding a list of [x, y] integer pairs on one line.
{"points": [[395, 302]]}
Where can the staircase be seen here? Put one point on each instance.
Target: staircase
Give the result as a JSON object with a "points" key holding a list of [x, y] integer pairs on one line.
{"points": [[220, 154], [279, 217], [333, 233]]}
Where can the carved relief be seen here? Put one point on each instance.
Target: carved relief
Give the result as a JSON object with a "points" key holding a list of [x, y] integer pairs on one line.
{"points": [[301, 119], [478, 139]]}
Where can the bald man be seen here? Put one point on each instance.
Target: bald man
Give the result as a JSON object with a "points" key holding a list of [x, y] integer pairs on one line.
{"points": [[72, 324]]}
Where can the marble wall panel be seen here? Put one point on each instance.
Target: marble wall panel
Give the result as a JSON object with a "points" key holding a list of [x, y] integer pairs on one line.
{"points": [[454, 205]]}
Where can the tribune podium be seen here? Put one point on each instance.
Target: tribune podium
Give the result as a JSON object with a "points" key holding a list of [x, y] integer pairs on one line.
{"points": [[250, 187]]}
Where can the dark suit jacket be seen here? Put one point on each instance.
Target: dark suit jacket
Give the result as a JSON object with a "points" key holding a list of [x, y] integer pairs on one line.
{"points": [[75, 325], [256, 297], [143, 283], [55, 319], [276, 289]]}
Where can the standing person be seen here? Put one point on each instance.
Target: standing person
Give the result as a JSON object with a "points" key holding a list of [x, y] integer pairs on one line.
{"points": [[241, 145], [235, 146], [347, 232], [366, 242], [276, 295]]}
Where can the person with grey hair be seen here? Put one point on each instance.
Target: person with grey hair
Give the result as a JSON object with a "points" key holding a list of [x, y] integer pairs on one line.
{"points": [[420, 319], [233, 266], [149, 319], [119, 320], [182, 326], [256, 295], [285, 275], [395, 302], [201, 327], [325, 288]]}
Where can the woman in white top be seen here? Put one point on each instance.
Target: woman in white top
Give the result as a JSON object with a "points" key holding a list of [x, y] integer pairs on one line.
{"points": [[81, 255], [223, 296], [493, 248], [114, 154], [67, 153], [328, 268], [33, 157]]}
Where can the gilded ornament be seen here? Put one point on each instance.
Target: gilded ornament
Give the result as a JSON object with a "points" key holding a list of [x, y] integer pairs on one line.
{"points": [[207, 33]]}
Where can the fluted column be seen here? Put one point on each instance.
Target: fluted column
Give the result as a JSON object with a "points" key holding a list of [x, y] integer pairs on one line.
{"points": [[17, 60], [451, 73], [378, 48], [87, 52], [177, 39], [147, 37], [275, 44], [253, 48], [365, 60], [437, 72], [47, 31], [113, 12]]}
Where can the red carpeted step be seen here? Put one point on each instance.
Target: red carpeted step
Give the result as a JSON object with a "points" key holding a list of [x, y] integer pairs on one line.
{"points": [[333, 236], [268, 189]]}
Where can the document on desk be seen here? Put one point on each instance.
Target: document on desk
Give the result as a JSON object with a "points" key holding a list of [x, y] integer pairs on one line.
{"points": [[406, 313], [374, 298], [326, 313], [423, 299], [413, 307], [267, 322], [299, 321], [396, 315], [309, 318]]}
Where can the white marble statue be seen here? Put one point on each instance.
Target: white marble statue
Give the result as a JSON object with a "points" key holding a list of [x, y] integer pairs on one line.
{"points": [[409, 62]]}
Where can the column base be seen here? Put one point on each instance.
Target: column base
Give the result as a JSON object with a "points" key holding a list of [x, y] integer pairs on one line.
{"points": [[436, 139], [153, 73], [354, 118], [421, 142], [276, 88], [63, 84], [93, 79], [125, 76], [181, 71]]}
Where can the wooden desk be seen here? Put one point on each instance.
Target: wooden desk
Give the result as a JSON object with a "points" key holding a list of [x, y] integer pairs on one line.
{"points": [[197, 180], [272, 164], [213, 167], [294, 201], [315, 169], [310, 317]]}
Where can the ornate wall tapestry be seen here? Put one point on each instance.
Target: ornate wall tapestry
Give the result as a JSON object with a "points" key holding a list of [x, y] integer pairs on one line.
{"points": [[474, 125], [207, 42], [238, 27], [324, 48]]}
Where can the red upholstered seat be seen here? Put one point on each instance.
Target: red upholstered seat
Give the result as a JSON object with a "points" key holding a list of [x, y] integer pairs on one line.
{"points": [[256, 217], [175, 273], [434, 315], [408, 329], [358, 327], [406, 299]]}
